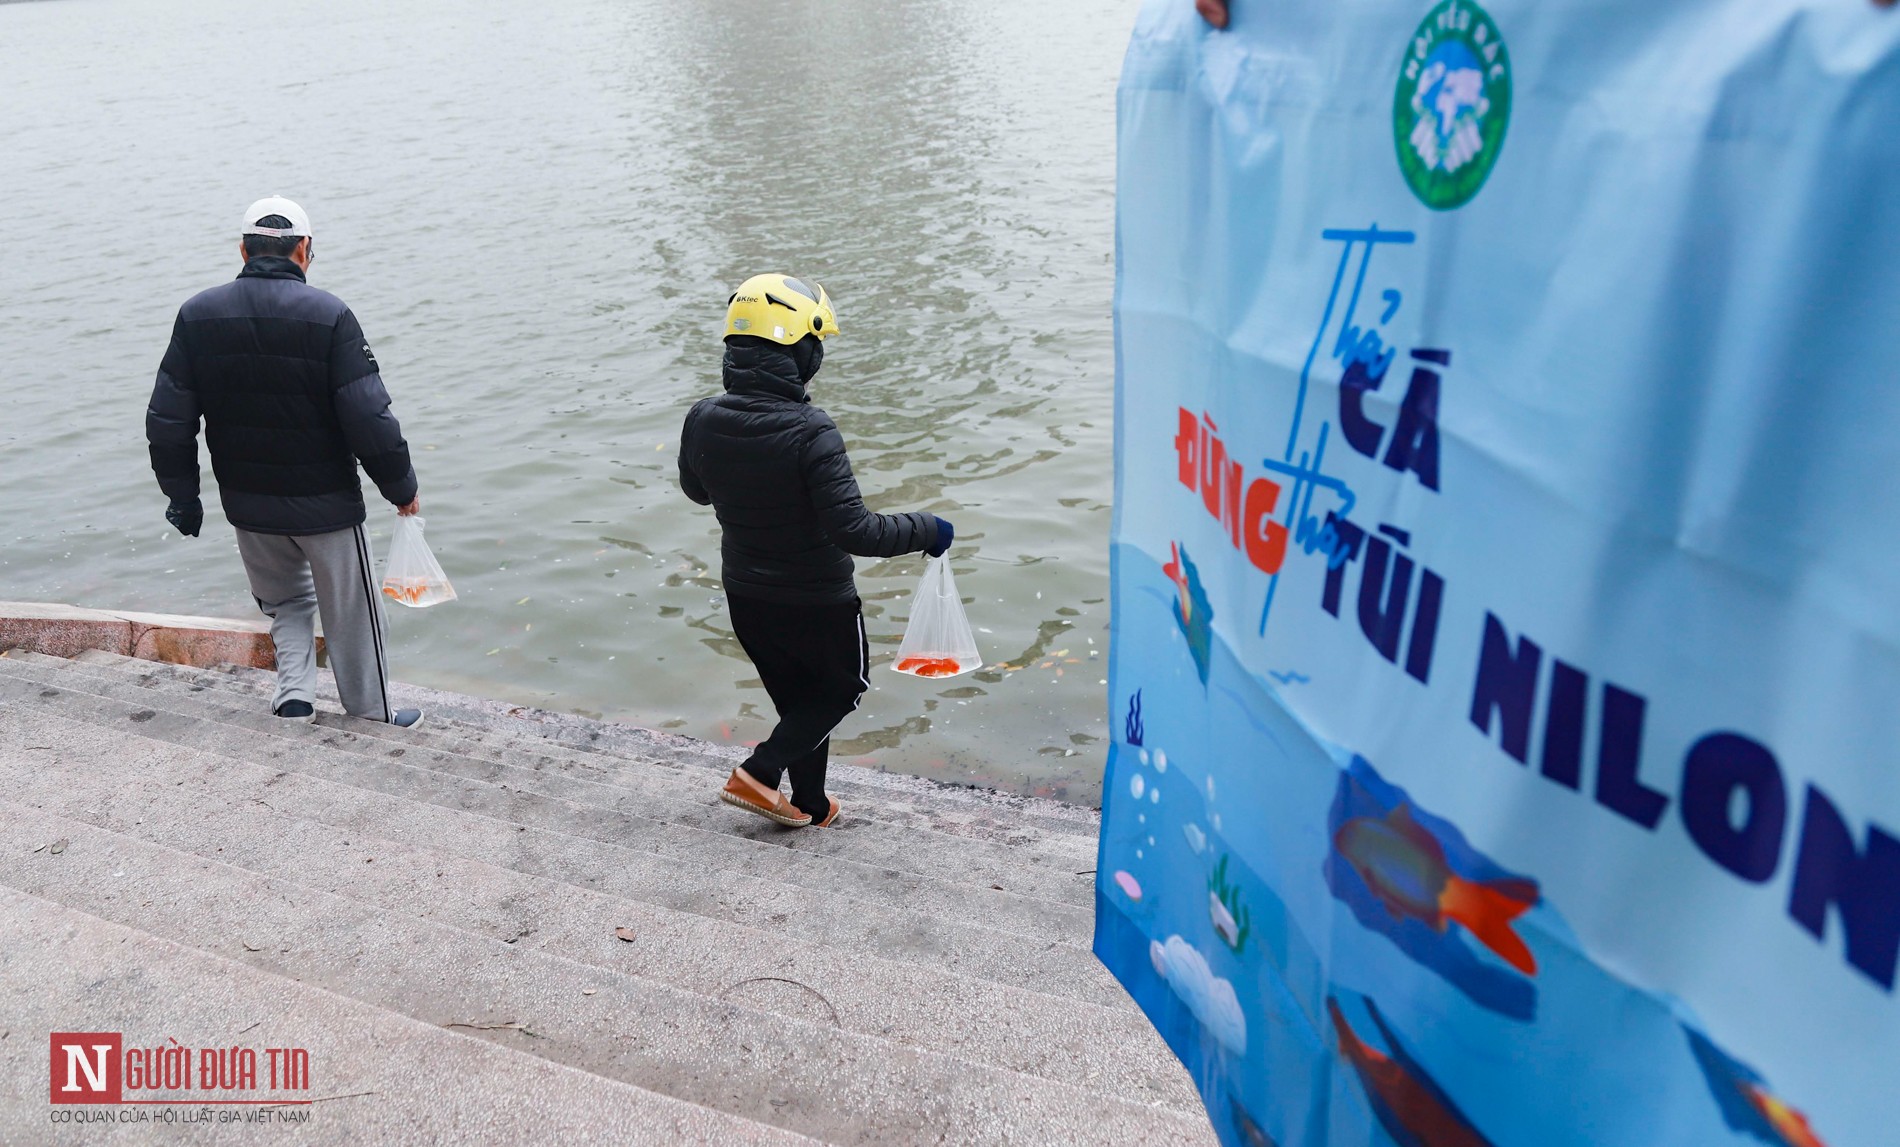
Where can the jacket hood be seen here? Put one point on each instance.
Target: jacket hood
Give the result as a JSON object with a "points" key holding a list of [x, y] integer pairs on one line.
{"points": [[271, 267], [760, 366]]}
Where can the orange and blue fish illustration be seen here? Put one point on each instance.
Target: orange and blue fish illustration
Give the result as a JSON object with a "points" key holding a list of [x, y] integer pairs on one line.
{"points": [[1789, 1124], [1405, 868], [1191, 609], [1408, 875], [1745, 1101], [1408, 1103], [1251, 1133]]}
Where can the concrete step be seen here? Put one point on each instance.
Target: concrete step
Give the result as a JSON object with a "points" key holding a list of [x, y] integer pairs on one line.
{"points": [[377, 1077], [960, 941], [1034, 813], [1057, 869], [982, 814], [988, 807], [480, 786], [807, 1077], [165, 795], [1017, 822]]}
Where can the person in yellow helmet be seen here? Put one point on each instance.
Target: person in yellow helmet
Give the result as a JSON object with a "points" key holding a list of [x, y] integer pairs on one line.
{"points": [[774, 469]]}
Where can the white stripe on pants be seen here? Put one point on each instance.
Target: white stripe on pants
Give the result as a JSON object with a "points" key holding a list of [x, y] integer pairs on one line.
{"points": [[296, 579]]}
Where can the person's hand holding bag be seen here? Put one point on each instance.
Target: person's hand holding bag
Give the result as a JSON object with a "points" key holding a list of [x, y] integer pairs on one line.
{"points": [[946, 533]]}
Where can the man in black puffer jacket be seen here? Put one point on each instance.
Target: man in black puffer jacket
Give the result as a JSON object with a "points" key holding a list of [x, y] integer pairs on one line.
{"points": [[773, 467], [291, 400]]}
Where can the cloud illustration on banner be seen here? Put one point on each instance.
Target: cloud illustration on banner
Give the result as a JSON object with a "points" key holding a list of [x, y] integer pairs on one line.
{"points": [[1209, 997]]}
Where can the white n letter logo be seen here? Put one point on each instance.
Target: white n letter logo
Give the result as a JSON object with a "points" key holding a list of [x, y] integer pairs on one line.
{"points": [[76, 1062]]}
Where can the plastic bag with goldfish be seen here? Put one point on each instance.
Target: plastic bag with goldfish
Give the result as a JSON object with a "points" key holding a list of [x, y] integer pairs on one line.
{"points": [[412, 576], [938, 642]]}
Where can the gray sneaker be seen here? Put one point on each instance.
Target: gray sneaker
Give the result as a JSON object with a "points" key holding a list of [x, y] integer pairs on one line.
{"points": [[297, 711], [406, 718]]}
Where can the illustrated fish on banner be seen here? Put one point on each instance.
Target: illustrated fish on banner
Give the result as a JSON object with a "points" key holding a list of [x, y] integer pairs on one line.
{"points": [[1507, 570]]}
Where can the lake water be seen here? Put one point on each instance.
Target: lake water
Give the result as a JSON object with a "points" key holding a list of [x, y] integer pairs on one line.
{"points": [[538, 211]]}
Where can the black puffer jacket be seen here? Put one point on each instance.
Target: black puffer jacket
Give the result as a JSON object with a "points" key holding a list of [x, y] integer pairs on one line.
{"points": [[291, 399], [774, 468]]}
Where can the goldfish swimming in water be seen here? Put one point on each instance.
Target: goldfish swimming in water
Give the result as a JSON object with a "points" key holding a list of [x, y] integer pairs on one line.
{"points": [[1408, 1104], [1191, 609], [1404, 866]]}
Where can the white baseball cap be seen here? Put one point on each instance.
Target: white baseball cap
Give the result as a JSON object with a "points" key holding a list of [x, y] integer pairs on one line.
{"points": [[276, 205]]}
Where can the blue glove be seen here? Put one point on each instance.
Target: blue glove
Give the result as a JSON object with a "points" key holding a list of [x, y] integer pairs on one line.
{"points": [[189, 516], [946, 533]]}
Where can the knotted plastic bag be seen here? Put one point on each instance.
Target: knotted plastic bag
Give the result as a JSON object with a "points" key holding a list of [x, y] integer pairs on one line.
{"points": [[937, 642], [412, 576]]}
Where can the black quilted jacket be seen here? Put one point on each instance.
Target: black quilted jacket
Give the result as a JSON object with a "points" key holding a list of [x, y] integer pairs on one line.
{"points": [[773, 467], [291, 399]]}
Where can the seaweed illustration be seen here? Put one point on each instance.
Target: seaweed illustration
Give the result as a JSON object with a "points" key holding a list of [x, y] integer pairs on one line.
{"points": [[1133, 729], [1231, 918]]}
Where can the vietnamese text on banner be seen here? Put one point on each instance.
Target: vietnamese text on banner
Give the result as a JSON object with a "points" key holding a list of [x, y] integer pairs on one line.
{"points": [[1506, 673]]}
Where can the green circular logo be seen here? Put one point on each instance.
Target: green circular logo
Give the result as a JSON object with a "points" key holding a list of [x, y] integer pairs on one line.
{"points": [[1452, 105]]}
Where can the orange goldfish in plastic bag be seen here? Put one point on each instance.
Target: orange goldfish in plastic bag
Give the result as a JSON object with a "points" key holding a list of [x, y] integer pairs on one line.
{"points": [[930, 666]]}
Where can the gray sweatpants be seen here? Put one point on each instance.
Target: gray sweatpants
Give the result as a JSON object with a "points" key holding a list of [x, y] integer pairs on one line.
{"points": [[294, 579]]}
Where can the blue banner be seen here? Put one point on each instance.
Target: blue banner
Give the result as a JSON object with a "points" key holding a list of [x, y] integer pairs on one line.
{"points": [[1506, 660]]}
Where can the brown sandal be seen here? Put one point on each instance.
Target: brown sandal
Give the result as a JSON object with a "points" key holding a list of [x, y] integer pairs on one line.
{"points": [[831, 817], [742, 791]]}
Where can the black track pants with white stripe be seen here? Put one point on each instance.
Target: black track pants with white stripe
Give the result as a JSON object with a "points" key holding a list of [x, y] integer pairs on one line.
{"points": [[296, 579], [815, 662]]}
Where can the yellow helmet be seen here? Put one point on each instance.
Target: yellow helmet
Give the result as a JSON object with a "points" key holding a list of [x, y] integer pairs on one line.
{"points": [[780, 308]]}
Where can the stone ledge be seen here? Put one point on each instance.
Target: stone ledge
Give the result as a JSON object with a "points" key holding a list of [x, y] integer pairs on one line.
{"points": [[67, 631]]}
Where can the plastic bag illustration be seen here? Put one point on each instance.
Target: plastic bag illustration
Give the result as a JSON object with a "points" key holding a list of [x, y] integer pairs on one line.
{"points": [[412, 576], [937, 643]]}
